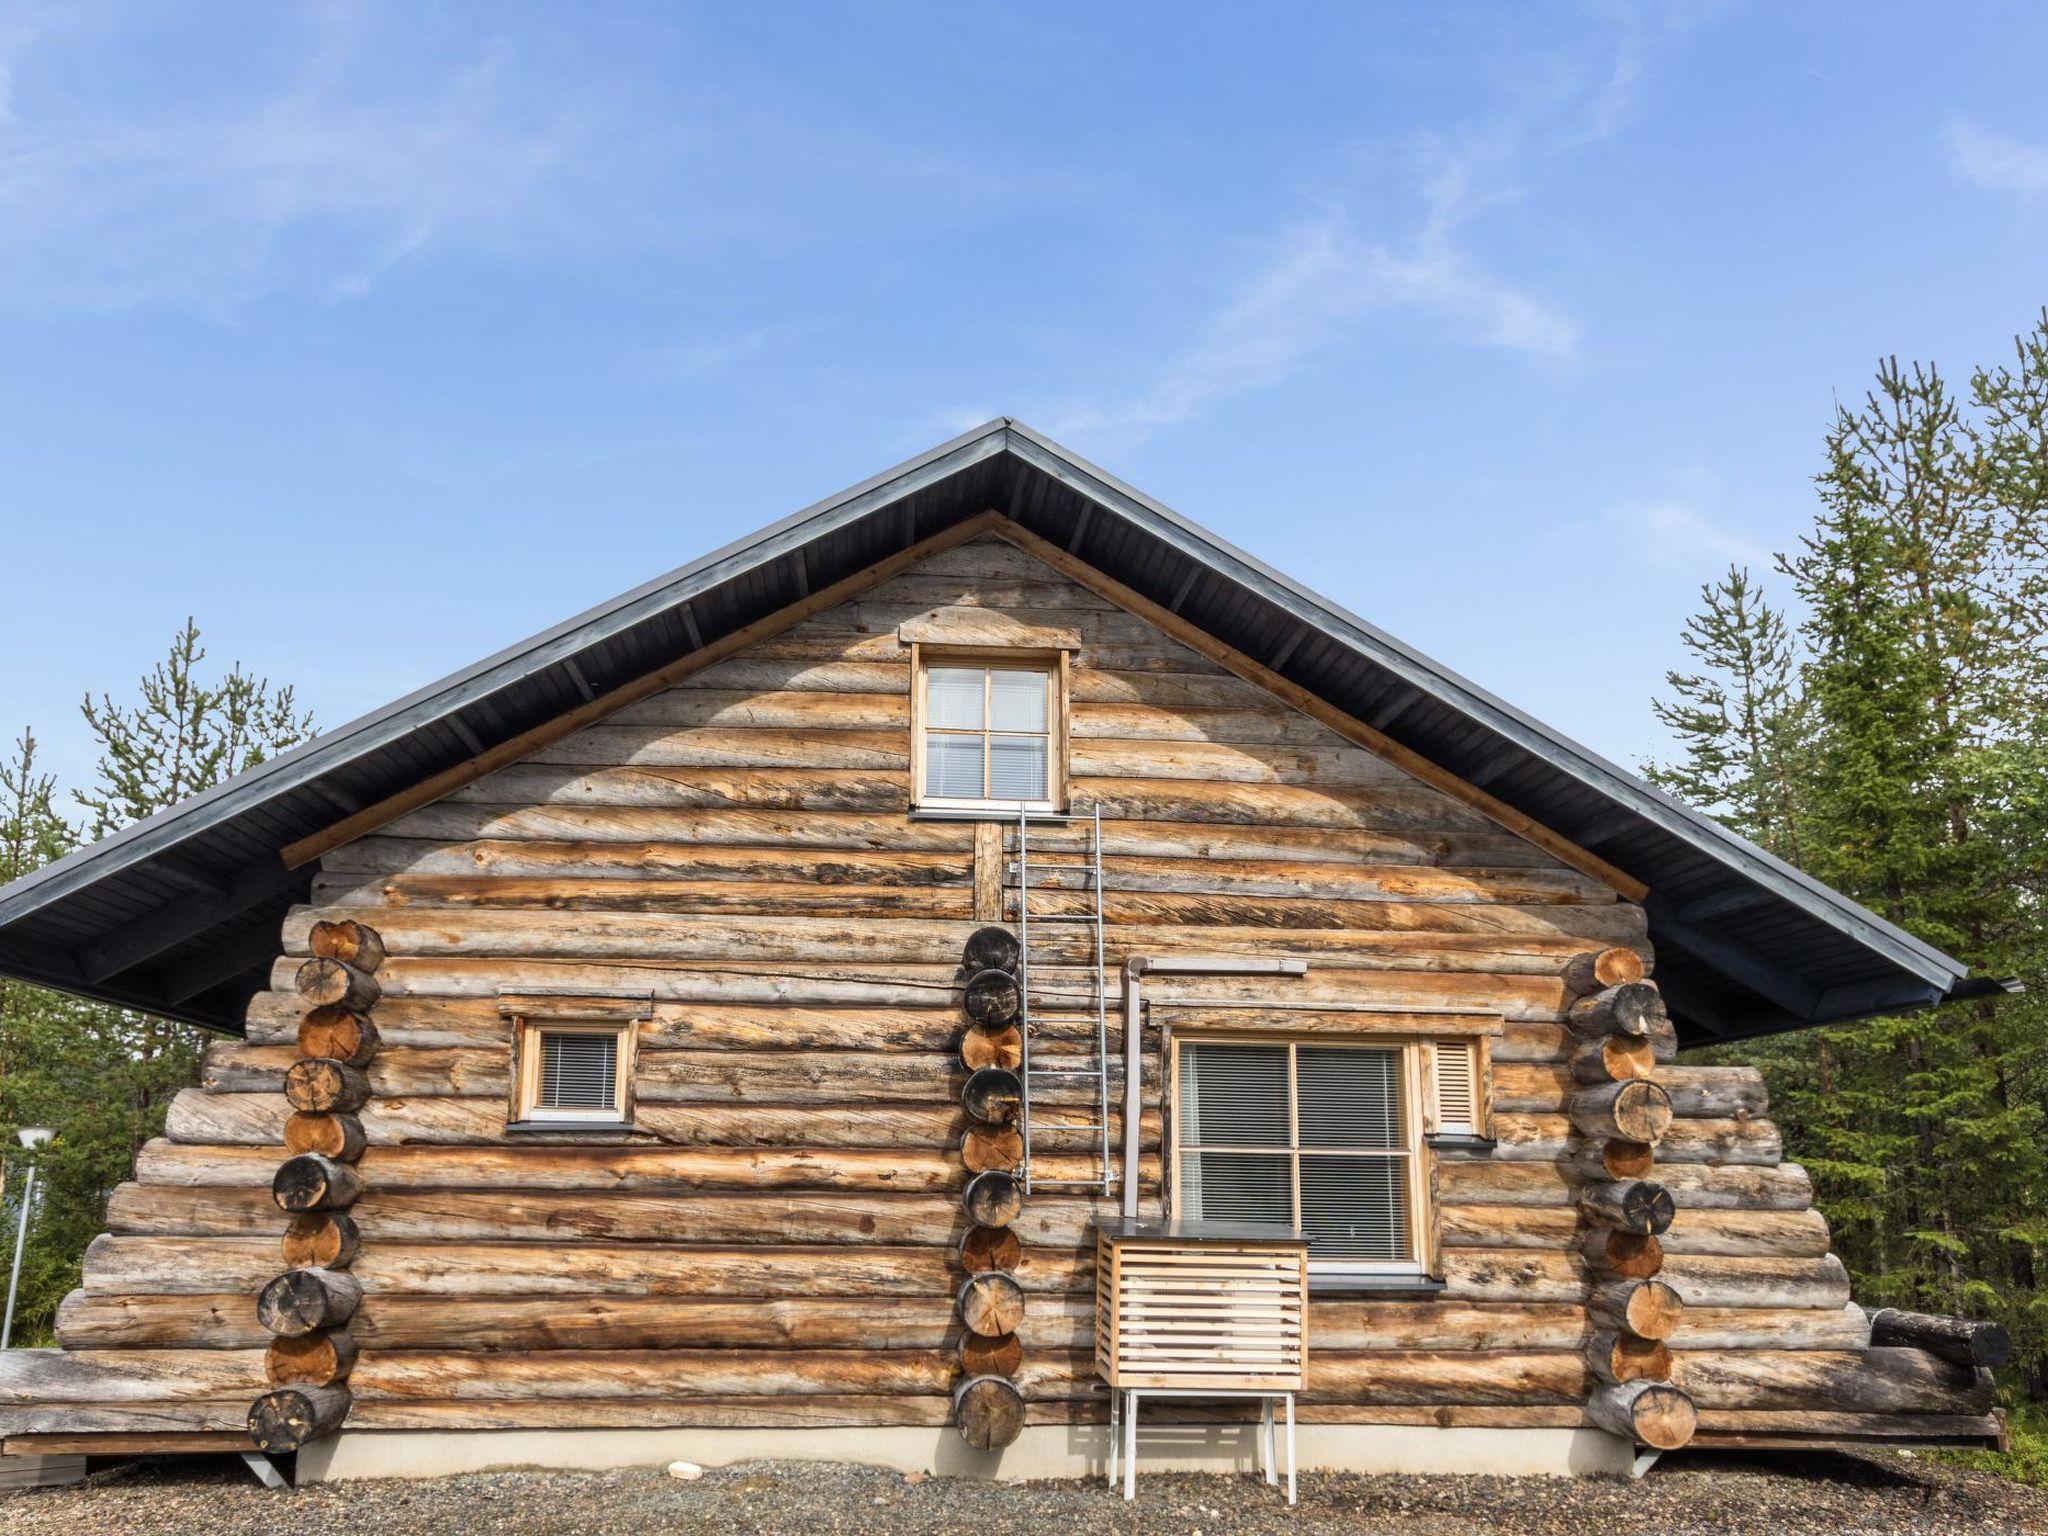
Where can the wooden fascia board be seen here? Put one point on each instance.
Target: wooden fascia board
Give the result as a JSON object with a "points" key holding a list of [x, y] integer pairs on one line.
{"points": [[511, 750], [1350, 728]]}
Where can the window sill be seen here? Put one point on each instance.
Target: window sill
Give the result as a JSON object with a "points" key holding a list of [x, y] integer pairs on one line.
{"points": [[983, 812], [1472, 1146], [1414, 1287], [568, 1127]]}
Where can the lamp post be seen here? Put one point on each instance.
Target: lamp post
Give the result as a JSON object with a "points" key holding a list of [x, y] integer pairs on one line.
{"points": [[32, 1137]]}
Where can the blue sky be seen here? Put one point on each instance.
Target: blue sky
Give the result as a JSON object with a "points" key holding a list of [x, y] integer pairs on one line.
{"points": [[378, 337]]}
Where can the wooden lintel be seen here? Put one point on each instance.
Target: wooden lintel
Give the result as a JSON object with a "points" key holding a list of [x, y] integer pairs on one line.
{"points": [[307, 849], [1352, 730]]}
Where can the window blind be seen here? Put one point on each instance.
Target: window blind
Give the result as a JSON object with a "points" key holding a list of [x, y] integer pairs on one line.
{"points": [[579, 1070], [1315, 1137]]}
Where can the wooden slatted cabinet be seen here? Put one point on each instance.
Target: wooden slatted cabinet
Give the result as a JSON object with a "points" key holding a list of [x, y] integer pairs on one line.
{"points": [[1204, 1305]]}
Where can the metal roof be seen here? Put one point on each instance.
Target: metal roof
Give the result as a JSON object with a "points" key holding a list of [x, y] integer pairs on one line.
{"points": [[179, 914]]}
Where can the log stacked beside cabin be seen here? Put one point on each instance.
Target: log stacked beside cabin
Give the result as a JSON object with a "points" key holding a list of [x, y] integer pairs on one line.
{"points": [[1623, 1113], [988, 1409], [307, 1309]]}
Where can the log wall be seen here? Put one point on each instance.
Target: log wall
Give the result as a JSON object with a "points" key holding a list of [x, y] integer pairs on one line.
{"points": [[774, 1241]]}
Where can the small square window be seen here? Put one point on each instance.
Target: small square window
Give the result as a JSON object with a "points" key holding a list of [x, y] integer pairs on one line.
{"points": [[989, 732], [572, 1073]]}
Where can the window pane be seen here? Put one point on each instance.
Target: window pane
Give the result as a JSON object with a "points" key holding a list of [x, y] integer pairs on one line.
{"points": [[1350, 1098], [1236, 1186], [1233, 1095], [1355, 1207], [578, 1071], [953, 698], [1016, 768], [1016, 701], [952, 767]]}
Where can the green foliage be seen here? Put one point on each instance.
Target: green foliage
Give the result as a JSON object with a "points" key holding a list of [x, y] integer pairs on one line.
{"points": [[1897, 748], [2025, 1462], [103, 1077]]}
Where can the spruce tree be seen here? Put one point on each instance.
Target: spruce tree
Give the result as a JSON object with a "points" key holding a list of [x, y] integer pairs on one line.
{"points": [[103, 1077]]}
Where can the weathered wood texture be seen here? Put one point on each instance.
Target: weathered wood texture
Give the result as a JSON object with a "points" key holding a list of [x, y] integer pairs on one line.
{"points": [[782, 1234]]}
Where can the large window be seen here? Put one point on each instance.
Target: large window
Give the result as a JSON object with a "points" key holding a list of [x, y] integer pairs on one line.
{"points": [[1322, 1137], [988, 733]]}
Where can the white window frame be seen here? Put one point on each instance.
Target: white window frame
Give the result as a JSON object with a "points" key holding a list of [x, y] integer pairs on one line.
{"points": [[527, 1066], [1051, 664], [1416, 1110]]}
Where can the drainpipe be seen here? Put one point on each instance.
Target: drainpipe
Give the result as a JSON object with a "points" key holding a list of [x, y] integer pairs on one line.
{"points": [[1135, 970]]}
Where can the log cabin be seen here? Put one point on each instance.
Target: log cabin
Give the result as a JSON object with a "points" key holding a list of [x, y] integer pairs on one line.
{"points": [[742, 1019]]}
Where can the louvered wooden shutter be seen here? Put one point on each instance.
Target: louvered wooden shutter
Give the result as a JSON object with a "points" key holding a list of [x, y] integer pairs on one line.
{"points": [[1457, 1089], [579, 1070]]}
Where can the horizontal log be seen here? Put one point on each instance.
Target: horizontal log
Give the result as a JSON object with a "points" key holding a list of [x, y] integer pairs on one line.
{"points": [[1962, 1340], [1549, 1138], [323, 1086], [1734, 1328], [1617, 1356], [392, 1170], [339, 1137], [1702, 1280], [325, 983], [1628, 1009], [305, 1301], [321, 1359], [259, 1120], [502, 1267], [1596, 970], [663, 1076], [1731, 1233], [125, 1376], [355, 943], [1650, 1413], [1645, 1309], [284, 1420], [1634, 1110], [308, 1182], [1629, 1205], [338, 1035], [1876, 1380], [1408, 981], [321, 1240], [1698, 1093], [88, 1321], [930, 1023], [520, 1215], [1699, 1186], [509, 873], [529, 935], [1816, 1424]]}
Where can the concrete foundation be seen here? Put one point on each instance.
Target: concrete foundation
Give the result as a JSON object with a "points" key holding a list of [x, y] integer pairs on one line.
{"points": [[1042, 1451]]}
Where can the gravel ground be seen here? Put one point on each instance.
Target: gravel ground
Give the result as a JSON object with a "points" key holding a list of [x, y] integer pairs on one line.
{"points": [[1842, 1495]]}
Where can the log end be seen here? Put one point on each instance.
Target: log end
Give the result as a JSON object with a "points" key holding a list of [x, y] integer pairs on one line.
{"points": [[283, 1421], [988, 1411]]}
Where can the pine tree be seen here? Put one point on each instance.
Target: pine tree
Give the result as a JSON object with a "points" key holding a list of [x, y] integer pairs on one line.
{"points": [[103, 1077], [1917, 739], [1738, 718]]}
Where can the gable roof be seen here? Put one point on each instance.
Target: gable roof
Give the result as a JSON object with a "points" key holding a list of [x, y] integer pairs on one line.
{"points": [[179, 914]]}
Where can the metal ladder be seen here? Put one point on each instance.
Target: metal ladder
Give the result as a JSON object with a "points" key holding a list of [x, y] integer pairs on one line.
{"points": [[1097, 1071]]}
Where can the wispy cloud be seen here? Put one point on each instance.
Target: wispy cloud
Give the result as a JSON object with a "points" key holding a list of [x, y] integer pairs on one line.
{"points": [[1996, 163], [329, 146], [318, 182], [1678, 535], [1324, 276]]}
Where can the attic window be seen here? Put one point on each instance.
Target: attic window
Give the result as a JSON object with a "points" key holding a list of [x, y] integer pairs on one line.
{"points": [[570, 1073], [989, 731]]}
